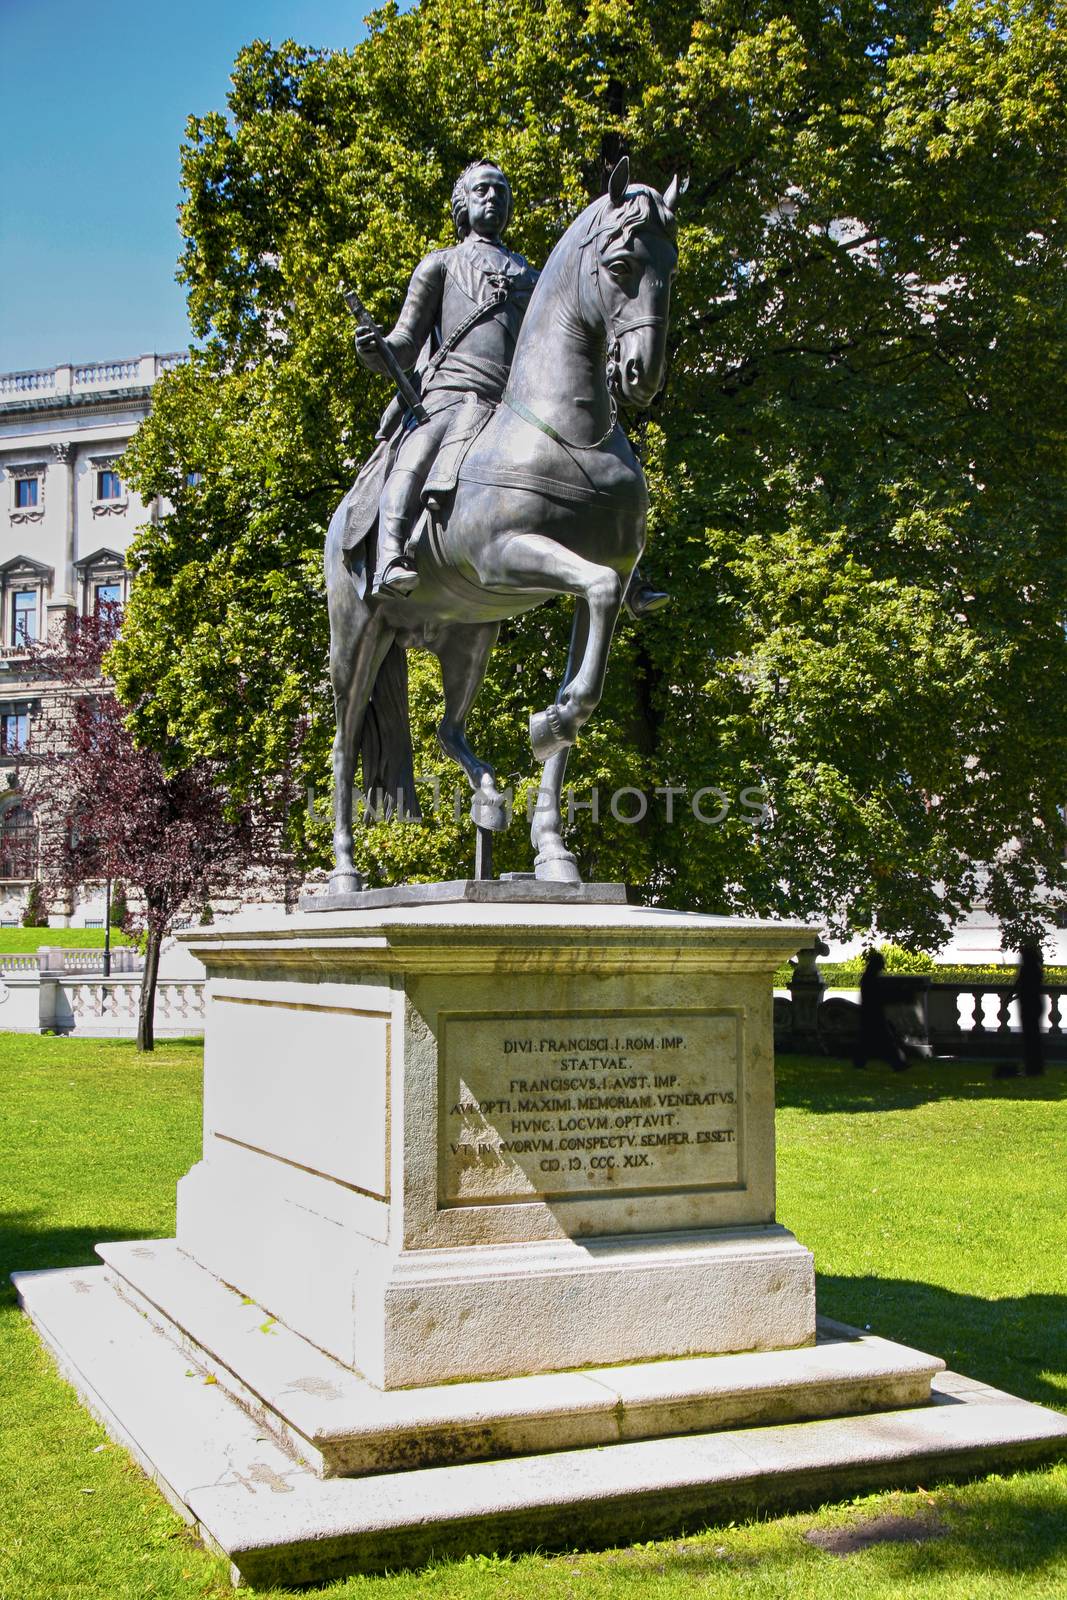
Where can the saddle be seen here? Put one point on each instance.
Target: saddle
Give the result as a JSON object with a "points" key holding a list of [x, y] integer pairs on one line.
{"points": [[468, 422]]}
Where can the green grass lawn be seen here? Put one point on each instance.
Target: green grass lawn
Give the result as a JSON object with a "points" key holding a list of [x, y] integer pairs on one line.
{"points": [[17, 941], [936, 1204]]}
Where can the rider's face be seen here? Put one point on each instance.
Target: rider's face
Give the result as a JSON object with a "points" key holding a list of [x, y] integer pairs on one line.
{"points": [[487, 202]]}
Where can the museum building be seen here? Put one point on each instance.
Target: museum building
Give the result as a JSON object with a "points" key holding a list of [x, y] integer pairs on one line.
{"points": [[66, 522]]}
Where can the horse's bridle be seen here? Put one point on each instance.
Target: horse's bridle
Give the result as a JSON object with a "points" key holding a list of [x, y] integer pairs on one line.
{"points": [[618, 329]]}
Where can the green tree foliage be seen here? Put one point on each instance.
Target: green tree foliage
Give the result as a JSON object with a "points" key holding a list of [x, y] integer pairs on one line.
{"points": [[120, 909], [35, 911], [858, 468]]}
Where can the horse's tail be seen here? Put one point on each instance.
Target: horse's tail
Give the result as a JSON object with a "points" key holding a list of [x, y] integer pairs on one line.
{"points": [[385, 744]]}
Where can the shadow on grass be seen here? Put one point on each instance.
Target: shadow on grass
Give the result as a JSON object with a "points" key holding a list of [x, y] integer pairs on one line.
{"points": [[1010, 1526], [1012, 1344], [26, 1248], [826, 1084]]}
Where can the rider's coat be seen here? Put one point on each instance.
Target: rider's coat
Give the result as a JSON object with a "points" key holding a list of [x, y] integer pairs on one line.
{"points": [[447, 290]]}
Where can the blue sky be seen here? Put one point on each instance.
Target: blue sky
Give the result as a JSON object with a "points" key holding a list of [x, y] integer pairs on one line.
{"points": [[93, 108]]}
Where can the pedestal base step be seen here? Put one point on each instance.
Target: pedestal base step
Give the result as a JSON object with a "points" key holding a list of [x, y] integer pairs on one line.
{"points": [[343, 1426], [278, 1523]]}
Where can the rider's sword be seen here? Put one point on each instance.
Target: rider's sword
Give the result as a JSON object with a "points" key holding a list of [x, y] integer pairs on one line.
{"points": [[405, 388]]}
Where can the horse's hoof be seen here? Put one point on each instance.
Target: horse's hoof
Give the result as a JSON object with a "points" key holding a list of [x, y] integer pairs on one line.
{"points": [[488, 809], [557, 869], [345, 880], [546, 733]]}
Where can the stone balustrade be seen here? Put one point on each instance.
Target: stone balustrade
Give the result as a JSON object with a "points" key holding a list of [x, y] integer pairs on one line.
{"points": [[35, 1002], [982, 1018], [106, 372], [962, 1018], [137, 371], [28, 382], [109, 1006], [52, 959]]}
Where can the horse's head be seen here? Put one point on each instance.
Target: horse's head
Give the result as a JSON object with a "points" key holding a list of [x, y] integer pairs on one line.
{"points": [[630, 258]]}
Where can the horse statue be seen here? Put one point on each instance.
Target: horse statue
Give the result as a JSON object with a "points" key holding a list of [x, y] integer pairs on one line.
{"points": [[549, 500]]}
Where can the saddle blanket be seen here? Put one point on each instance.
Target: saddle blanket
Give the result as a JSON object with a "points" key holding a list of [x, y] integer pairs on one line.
{"points": [[471, 417]]}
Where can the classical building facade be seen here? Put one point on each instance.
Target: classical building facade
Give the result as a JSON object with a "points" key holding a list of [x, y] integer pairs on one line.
{"points": [[66, 522]]}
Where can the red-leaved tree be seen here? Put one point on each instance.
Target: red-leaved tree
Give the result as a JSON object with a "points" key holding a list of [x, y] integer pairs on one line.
{"points": [[107, 809]]}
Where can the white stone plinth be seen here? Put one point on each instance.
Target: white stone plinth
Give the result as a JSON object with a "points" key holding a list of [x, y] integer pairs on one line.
{"points": [[469, 1141], [279, 1521]]}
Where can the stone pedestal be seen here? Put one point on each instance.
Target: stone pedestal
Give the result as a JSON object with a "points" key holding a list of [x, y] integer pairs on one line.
{"points": [[449, 1150], [469, 1141]]}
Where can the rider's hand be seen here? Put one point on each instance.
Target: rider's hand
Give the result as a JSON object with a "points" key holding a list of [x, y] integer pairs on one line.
{"points": [[368, 352]]}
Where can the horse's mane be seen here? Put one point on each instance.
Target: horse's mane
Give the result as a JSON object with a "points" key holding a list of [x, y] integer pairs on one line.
{"points": [[640, 206]]}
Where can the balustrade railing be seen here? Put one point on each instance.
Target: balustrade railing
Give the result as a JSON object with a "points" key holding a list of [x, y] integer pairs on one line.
{"points": [[113, 1003], [97, 372], [54, 961], [984, 1017], [23, 962], [60, 380], [27, 382], [959, 1018]]}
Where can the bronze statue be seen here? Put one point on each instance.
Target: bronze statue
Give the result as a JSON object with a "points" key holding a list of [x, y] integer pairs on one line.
{"points": [[491, 509], [458, 328]]}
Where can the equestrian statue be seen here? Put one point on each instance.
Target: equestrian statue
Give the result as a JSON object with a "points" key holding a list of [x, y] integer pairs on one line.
{"points": [[500, 479]]}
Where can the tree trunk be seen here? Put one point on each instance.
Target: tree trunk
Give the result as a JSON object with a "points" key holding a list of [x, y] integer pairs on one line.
{"points": [[146, 1035]]}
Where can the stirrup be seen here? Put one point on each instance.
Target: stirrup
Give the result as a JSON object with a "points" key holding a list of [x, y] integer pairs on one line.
{"points": [[397, 579]]}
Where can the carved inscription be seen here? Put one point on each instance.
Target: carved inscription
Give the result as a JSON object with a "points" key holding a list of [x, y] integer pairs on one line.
{"points": [[536, 1105]]}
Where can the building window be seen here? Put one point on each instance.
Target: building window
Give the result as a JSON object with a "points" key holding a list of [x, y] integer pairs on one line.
{"points": [[192, 479], [109, 491], [106, 594], [18, 843], [23, 616], [14, 732], [27, 492]]}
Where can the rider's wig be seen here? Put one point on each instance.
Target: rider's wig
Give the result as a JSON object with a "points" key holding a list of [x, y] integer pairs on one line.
{"points": [[460, 214]]}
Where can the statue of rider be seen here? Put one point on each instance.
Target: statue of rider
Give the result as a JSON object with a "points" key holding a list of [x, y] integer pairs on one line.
{"points": [[465, 304]]}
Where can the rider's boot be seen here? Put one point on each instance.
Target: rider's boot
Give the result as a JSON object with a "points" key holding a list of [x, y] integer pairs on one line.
{"points": [[641, 599], [395, 574]]}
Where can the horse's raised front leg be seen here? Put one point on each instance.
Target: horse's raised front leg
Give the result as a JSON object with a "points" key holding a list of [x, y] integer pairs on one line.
{"points": [[357, 648], [541, 563]]}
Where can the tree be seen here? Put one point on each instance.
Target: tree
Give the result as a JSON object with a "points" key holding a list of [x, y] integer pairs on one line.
{"points": [[858, 469], [120, 909], [109, 809], [35, 914]]}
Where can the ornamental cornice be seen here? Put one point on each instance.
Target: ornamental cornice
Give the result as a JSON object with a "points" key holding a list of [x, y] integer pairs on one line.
{"points": [[105, 557], [26, 567]]}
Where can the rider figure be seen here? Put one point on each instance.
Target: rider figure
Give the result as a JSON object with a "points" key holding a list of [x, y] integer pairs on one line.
{"points": [[471, 297], [448, 290]]}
